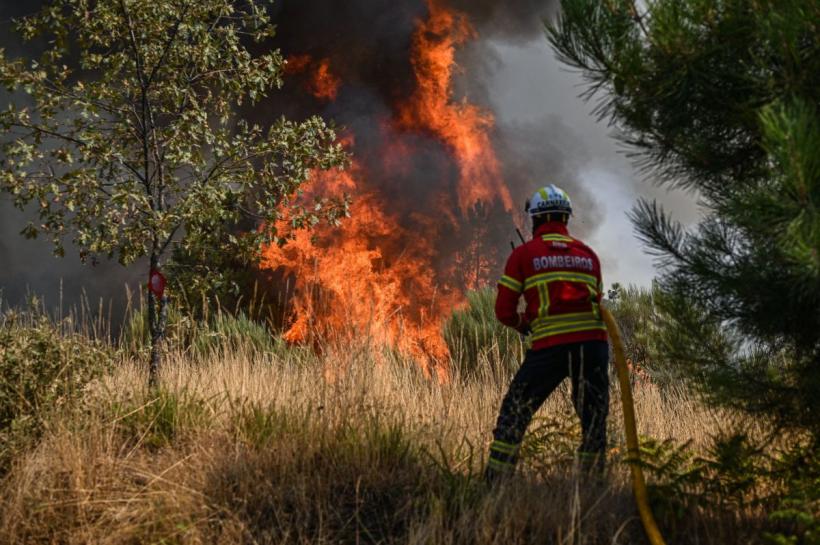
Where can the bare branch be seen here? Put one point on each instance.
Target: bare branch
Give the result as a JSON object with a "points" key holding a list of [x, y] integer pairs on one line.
{"points": [[169, 239], [168, 45], [140, 73], [55, 134]]}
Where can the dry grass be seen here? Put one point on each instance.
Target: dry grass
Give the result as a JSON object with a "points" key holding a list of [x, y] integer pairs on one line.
{"points": [[241, 448]]}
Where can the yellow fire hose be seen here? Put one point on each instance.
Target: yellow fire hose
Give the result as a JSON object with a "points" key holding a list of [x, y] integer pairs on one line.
{"points": [[638, 483]]}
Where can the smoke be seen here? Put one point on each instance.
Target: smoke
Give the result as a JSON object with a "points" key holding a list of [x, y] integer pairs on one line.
{"points": [[514, 21], [373, 62], [29, 267], [368, 45], [595, 159]]}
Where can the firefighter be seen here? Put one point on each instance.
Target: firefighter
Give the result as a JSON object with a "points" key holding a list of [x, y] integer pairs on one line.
{"points": [[560, 279]]}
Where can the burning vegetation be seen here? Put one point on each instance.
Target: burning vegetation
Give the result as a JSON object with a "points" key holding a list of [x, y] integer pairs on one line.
{"points": [[425, 182], [321, 83]]}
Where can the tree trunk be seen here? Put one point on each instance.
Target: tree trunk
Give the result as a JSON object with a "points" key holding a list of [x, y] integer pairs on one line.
{"points": [[157, 321]]}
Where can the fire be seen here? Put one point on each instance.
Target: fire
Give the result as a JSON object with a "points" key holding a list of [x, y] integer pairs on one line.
{"points": [[297, 63], [322, 83], [463, 126], [355, 281], [394, 270], [325, 84]]}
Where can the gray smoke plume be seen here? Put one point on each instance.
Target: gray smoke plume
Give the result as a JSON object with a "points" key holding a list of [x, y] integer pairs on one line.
{"points": [[515, 21]]}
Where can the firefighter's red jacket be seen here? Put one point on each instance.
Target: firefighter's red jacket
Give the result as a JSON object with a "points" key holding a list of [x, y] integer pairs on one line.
{"points": [[560, 278]]}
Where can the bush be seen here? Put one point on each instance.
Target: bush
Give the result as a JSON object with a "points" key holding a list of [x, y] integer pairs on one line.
{"points": [[45, 369], [643, 329], [201, 336], [796, 516], [226, 331], [736, 474], [477, 340]]}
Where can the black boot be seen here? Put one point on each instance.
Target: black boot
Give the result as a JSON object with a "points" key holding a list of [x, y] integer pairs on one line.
{"points": [[494, 475]]}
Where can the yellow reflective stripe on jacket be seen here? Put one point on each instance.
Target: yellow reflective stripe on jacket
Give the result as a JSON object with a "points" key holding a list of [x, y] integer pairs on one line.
{"points": [[564, 276], [545, 320], [572, 317], [593, 299], [568, 327], [512, 283], [544, 299]]}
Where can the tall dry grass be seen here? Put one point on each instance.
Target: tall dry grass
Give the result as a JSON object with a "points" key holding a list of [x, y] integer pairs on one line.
{"points": [[243, 447]]}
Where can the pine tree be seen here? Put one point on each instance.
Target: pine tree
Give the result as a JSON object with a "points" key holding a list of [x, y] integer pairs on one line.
{"points": [[721, 97]]}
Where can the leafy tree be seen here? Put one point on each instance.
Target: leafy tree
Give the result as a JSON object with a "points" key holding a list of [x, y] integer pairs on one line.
{"points": [[127, 138], [641, 323], [634, 309], [721, 97]]}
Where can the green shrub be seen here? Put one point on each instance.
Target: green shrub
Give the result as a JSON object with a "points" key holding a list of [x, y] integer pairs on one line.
{"points": [[732, 475], [726, 477], [226, 331], [135, 338], [551, 442], [476, 338], [643, 328], [201, 336], [45, 368], [795, 519]]}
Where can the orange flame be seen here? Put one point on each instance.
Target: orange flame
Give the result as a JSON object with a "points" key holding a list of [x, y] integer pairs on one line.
{"points": [[325, 85], [322, 83], [356, 281], [295, 64], [375, 276], [463, 126]]}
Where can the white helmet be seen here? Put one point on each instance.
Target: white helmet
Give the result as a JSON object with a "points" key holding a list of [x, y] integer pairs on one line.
{"points": [[548, 199]]}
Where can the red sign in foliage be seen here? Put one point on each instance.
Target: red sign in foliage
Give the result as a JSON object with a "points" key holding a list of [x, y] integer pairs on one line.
{"points": [[156, 283]]}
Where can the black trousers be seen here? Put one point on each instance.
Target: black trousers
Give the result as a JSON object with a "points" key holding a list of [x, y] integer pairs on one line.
{"points": [[540, 374]]}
